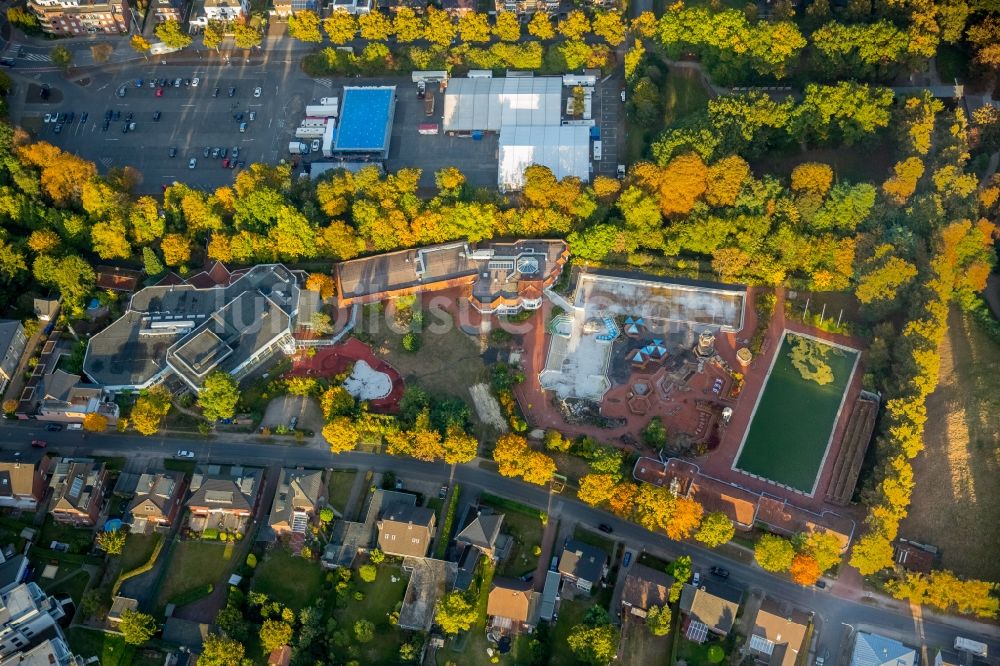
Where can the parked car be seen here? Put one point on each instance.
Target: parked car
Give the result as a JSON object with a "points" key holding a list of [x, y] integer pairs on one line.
{"points": [[238, 116], [107, 124], [187, 82], [399, 484], [253, 115], [554, 563], [421, 89], [215, 153], [443, 492], [131, 126], [184, 454], [192, 163], [159, 92], [177, 83], [720, 572], [232, 164], [225, 164], [315, 145], [74, 426], [156, 116], [627, 560], [243, 127], [604, 527], [138, 83], [83, 117], [223, 152], [696, 579], [294, 421], [257, 91], [236, 151], [152, 83], [195, 81], [48, 118], [241, 164], [215, 93], [173, 152], [821, 584], [53, 427], [232, 92], [58, 128], [207, 152], [38, 443]]}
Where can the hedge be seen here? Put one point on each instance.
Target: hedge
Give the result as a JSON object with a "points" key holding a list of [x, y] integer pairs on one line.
{"points": [[192, 595], [141, 569], [511, 505], [449, 517]]}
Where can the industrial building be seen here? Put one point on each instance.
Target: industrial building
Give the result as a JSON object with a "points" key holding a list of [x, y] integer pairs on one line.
{"points": [[565, 149], [526, 112], [365, 123]]}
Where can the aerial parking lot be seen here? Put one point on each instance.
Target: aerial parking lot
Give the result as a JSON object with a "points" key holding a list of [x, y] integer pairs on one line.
{"points": [[177, 123]]}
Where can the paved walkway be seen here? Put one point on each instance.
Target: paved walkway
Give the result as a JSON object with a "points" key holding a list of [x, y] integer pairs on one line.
{"points": [[357, 496]]}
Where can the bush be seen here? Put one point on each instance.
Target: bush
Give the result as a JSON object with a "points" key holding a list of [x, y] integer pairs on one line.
{"points": [[210, 534], [192, 595], [368, 573], [411, 342], [252, 561]]}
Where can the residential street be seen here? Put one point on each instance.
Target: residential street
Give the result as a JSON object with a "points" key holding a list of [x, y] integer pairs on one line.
{"points": [[836, 617]]}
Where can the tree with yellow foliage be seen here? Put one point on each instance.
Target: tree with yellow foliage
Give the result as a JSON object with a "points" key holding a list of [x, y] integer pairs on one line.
{"points": [[516, 459], [341, 434], [685, 518], [149, 410], [813, 177], [176, 249], [94, 422], [459, 446], [682, 182], [596, 489], [321, 282]]}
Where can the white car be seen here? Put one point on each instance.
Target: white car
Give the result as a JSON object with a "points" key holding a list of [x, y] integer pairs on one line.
{"points": [[48, 118], [195, 81], [315, 145], [623, 95], [696, 579], [257, 91], [192, 163], [186, 455]]}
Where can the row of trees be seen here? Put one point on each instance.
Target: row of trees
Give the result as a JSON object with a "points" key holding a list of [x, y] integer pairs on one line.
{"points": [[246, 33], [806, 556], [437, 27]]}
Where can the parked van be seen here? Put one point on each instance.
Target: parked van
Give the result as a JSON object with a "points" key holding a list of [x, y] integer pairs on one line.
{"points": [[74, 426]]}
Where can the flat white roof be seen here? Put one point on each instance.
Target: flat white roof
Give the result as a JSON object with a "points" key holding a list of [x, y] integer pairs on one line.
{"points": [[565, 149], [488, 104]]}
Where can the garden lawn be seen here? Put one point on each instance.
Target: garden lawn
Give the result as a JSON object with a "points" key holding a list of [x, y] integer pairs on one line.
{"points": [[289, 580], [338, 489], [695, 654], [527, 533], [79, 539], [570, 614], [138, 549], [194, 564], [74, 585], [795, 417], [382, 597], [110, 649], [641, 648]]}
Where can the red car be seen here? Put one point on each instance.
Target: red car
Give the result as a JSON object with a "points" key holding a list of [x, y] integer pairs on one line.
{"points": [[159, 92], [225, 164], [38, 443]]}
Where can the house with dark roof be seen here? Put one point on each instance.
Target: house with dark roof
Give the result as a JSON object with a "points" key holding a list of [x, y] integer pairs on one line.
{"points": [[913, 555], [12, 343], [512, 607], [711, 607], [644, 588], [223, 501], [406, 531], [23, 484], [79, 486], [778, 634], [61, 397], [550, 596], [13, 571], [582, 564], [482, 533], [216, 320], [299, 496], [157, 502]]}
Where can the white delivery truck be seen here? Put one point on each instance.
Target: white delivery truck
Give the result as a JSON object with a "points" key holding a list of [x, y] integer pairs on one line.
{"points": [[597, 151], [298, 148], [310, 132], [969, 645]]}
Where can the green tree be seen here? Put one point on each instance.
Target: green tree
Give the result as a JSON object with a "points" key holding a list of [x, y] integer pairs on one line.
{"points": [[340, 26], [136, 627], [303, 25], [246, 36], [274, 634], [150, 408], [658, 620], [61, 56], [71, 275], [221, 651], [774, 553], [364, 631], [455, 612], [654, 434], [507, 27], [151, 263], [367, 573], [407, 26], [111, 542], [595, 640], [140, 44], [716, 529], [214, 33], [219, 396], [171, 34], [376, 556]]}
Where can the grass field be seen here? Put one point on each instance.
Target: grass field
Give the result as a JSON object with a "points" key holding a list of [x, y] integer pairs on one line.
{"points": [[790, 431], [957, 496], [194, 564], [381, 598], [339, 489], [111, 649], [293, 581]]}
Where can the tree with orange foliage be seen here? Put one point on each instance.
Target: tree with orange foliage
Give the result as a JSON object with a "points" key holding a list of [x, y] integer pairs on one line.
{"points": [[515, 458], [94, 422], [685, 518], [805, 570], [682, 182], [814, 177], [63, 174], [176, 249], [596, 488], [726, 179], [622, 500], [322, 283]]}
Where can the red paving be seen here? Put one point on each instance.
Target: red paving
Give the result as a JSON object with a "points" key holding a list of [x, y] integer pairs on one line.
{"points": [[331, 361], [680, 412]]}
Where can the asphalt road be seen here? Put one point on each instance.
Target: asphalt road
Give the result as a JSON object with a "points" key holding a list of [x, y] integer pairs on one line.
{"points": [[836, 618]]}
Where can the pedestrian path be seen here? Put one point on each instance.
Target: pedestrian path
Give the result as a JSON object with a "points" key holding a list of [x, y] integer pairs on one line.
{"points": [[34, 57]]}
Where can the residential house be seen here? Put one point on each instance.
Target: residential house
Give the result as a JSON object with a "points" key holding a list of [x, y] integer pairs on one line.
{"points": [[157, 502], [223, 502], [112, 278], [53, 651], [512, 607], [406, 531], [583, 564], [528, 6], [355, 7], [711, 607], [458, 8], [777, 636], [46, 309], [913, 555], [13, 570], [876, 650], [482, 533], [27, 616], [12, 343], [169, 10], [61, 397], [217, 10], [81, 17], [644, 588], [118, 606], [948, 658], [297, 501], [23, 484], [78, 487], [280, 656]]}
